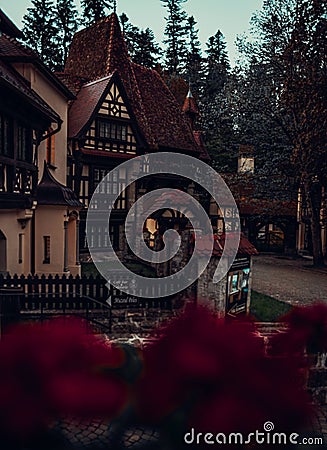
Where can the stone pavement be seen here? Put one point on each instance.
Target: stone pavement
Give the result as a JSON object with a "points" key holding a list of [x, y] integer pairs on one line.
{"points": [[96, 434], [292, 280]]}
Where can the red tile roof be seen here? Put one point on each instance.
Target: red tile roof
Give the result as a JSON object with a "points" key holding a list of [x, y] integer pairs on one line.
{"points": [[190, 106], [10, 48], [245, 247], [87, 100], [99, 51], [198, 136], [73, 83], [167, 125]]}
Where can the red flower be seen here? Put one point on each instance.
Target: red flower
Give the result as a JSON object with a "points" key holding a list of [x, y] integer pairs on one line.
{"points": [[307, 329], [55, 369], [218, 376]]}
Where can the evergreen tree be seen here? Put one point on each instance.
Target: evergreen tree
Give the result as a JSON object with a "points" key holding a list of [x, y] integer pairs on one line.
{"points": [[304, 99], [94, 10], [194, 61], [217, 63], [141, 44], [67, 23], [215, 104], [147, 52], [41, 31], [175, 32], [289, 45]]}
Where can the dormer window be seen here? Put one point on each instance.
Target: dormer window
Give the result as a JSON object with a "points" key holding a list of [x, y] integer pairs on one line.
{"points": [[112, 130]]}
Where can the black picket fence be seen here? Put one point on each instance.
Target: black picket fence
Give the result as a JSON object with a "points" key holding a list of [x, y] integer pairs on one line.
{"points": [[34, 297], [40, 297]]}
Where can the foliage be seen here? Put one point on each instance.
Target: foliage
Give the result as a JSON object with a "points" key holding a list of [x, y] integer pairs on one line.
{"points": [[41, 31], [94, 10], [175, 31], [304, 98], [282, 104], [194, 70], [215, 104], [68, 23], [141, 44]]}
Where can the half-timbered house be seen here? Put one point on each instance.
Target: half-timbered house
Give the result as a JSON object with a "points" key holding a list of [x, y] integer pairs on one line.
{"points": [[122, 110]]}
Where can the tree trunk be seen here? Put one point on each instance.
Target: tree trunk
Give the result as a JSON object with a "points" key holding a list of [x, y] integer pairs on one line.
{"points": [[315, 198]]}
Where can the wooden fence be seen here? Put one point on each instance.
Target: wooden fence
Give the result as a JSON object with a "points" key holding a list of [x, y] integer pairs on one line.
{"points": [[34, 297], [38, 297]]}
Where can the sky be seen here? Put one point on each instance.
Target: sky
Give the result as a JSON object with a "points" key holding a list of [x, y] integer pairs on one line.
{"points": [[230, 16]]}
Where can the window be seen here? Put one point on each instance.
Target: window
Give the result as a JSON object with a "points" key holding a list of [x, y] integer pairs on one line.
{"points": [[111, 185], [20, 248], [6, 141], [46, 248], [111, 130], [23, 143], [50, 148], [3, 178]]}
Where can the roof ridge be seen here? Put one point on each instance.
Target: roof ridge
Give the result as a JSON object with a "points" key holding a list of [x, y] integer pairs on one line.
{"points": [[89, 83]]}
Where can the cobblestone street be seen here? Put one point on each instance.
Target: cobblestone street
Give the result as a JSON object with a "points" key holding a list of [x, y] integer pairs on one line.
{"points": [[290, 280]]}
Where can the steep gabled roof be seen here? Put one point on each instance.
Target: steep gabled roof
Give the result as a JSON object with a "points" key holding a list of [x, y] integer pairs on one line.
{"points": [[167, 125], [100, 50], [204, 155], [87, 101]]}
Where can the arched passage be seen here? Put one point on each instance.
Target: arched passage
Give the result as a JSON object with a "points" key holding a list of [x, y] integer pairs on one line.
{"points": [[270, 238]]}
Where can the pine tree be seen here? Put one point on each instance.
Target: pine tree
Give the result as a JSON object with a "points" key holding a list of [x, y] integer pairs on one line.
{"points": [[289, 45], [215, 105], [141, 44], [41, 31], [194, 70], [304, 98], [147, 51], [94, 10], [68, 24], [175, 32], [217, 63]]}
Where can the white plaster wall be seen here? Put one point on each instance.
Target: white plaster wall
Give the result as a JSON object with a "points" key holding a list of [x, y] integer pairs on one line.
{"points": [[11, 228], [49, 221]]}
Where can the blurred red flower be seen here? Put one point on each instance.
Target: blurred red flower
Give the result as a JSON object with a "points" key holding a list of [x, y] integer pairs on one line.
{"points": [[55, 369], [307, 329], [221, 376]]}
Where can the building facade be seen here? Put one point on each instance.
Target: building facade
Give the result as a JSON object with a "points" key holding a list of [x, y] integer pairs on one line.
{"points": [[36, 220], [122, 110]]}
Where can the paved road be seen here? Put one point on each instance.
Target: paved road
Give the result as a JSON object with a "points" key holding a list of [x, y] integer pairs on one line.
{"points": [[291, 280]]}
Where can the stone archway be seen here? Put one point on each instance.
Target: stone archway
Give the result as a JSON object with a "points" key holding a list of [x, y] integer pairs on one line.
{"points": [[3, 253], [270, 237]]}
